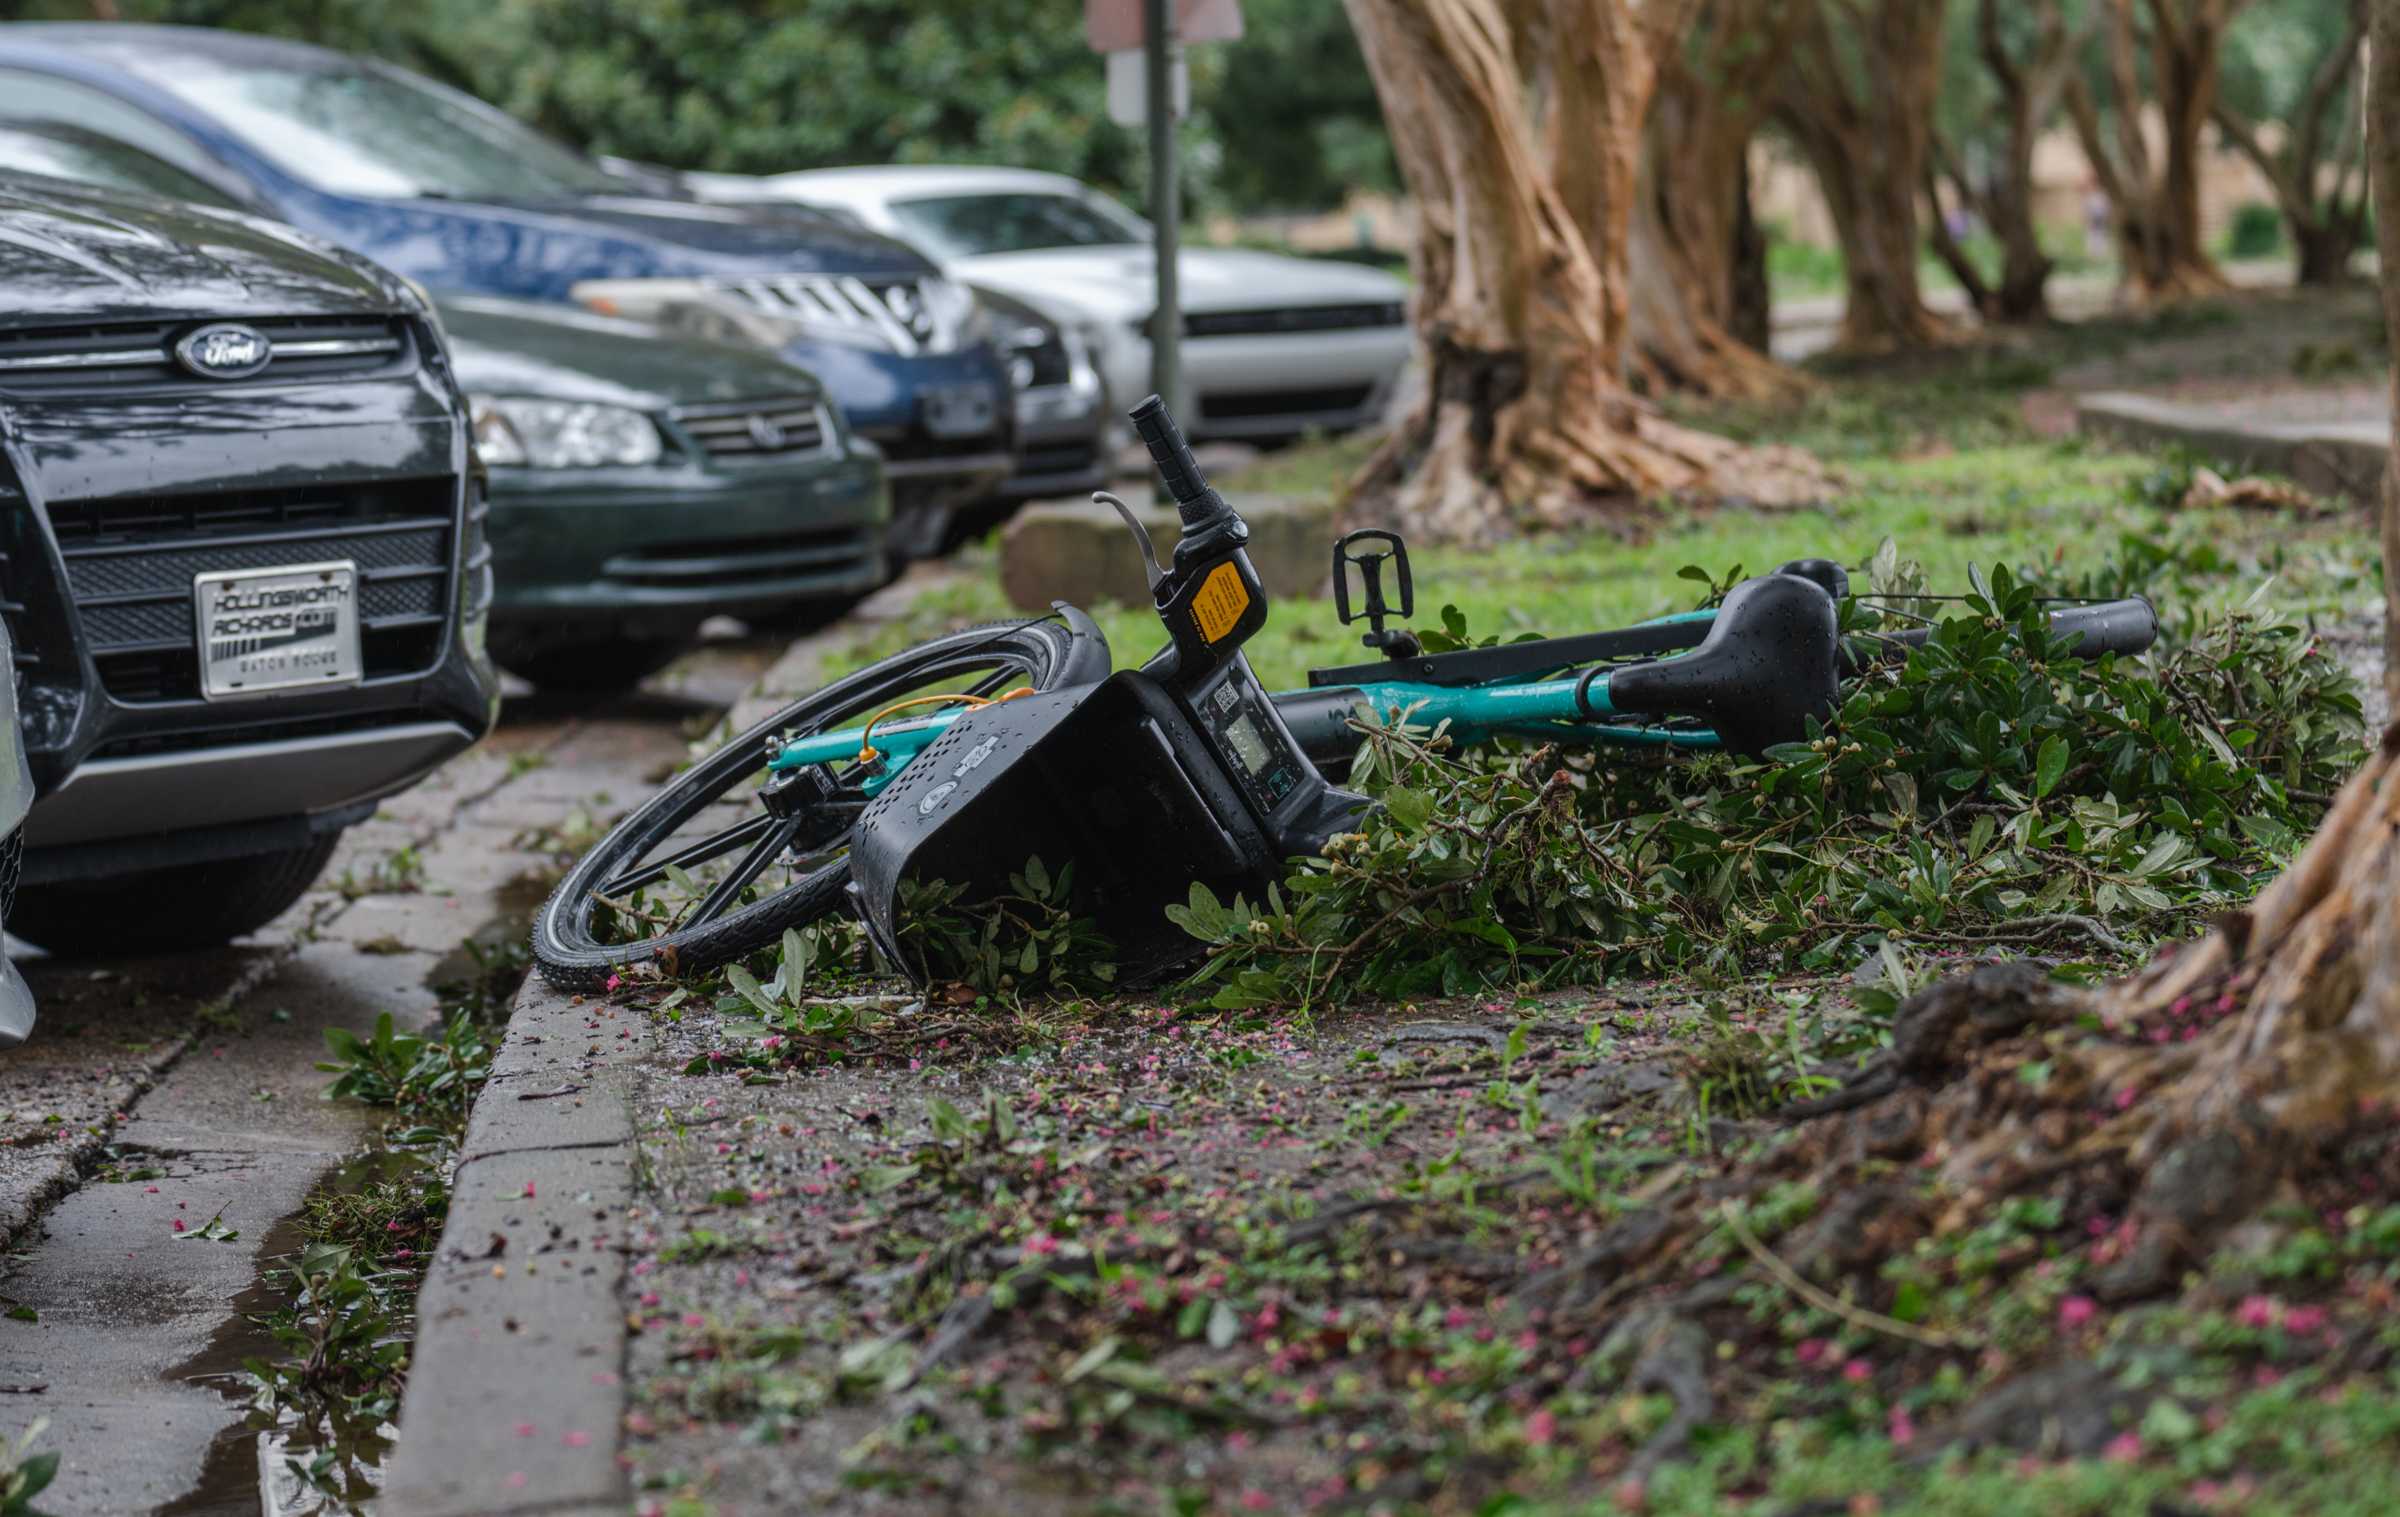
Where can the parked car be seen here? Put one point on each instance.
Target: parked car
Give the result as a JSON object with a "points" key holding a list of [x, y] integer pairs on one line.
{"points": [[640, 482], [1273, 345], [442, 188], [241, 559]]}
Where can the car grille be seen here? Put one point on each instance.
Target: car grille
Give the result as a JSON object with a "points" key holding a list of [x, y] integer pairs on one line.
{"points": [[130, 563], [1284, 319], [909, 314], [1253, 405], [758, 428], [120, 357]]}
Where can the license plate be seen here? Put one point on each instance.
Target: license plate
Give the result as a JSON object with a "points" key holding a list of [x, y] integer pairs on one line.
{"points": [[961, 410], [268, 631]]}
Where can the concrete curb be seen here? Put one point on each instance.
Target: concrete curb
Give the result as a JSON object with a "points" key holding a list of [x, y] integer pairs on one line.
{"points": [[516, 1402], [2334, 458]]}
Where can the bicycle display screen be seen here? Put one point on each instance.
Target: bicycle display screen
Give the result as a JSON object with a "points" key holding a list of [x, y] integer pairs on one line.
{"points": [[1252, 744], [1241, 735]]}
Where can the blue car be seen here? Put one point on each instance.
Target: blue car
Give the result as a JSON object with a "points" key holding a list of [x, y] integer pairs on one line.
{"points": [[464, 199]]}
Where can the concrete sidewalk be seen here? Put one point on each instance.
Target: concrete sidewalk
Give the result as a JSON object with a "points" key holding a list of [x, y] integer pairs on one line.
{"points": [[2331, 441], [515, 1401]]}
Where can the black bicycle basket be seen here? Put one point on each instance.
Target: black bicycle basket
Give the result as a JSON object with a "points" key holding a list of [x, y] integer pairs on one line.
{"points": [[1112, 776]]}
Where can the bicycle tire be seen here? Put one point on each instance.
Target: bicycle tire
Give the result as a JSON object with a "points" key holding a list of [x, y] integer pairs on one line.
{"points": [[1048, 654]]}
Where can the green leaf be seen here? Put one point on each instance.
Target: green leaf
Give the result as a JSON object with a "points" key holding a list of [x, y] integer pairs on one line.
{"points": [[2051, 766], [878, 1179], [746, 985]]}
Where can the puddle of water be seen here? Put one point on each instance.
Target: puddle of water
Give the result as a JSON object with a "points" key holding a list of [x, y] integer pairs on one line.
{"points": [[242, 1476]]}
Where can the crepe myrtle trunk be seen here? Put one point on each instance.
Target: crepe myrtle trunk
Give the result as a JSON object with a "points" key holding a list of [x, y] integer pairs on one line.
{"points": [[1697, 262], [2155, 204], [1518, 129], [1857, 95]]}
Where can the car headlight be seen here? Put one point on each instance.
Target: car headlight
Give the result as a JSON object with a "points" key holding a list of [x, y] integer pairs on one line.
{"points": [[516, 431]]}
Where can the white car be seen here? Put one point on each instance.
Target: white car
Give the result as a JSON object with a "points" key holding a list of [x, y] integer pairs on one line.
{"points": [[1273, 345]]}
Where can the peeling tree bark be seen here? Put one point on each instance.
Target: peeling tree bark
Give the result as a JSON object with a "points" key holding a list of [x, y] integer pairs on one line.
{"points": [[1858, 98], [2157, 206], [1697, 325], [1518, 129], [2328, 222]]}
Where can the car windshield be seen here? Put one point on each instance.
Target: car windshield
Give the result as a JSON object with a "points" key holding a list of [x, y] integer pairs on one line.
{"points": [[959, 226], [376, 132], [86, 159]]}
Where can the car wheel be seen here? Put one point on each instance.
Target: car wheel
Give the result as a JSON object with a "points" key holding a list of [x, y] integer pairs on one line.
{"points": [[602, 666], [170, 910]]}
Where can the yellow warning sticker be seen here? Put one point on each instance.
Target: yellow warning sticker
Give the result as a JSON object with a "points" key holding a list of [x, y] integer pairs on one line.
{"points": [[1220, 602]]}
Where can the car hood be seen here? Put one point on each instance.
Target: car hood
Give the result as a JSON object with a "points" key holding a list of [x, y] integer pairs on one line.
{"points": [[509, 347], [1115, 283], [695, 236], [70, 253]]}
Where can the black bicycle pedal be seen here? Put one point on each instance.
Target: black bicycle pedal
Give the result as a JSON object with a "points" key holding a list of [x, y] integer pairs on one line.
{"points": [[1397, 643]]}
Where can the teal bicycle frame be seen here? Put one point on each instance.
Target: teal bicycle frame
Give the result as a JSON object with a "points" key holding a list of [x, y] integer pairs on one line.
{"points": [[1476, 714]]}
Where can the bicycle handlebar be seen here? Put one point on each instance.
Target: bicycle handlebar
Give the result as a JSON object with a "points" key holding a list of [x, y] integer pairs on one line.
{"points": [[1178, 470], [2110, 626]]}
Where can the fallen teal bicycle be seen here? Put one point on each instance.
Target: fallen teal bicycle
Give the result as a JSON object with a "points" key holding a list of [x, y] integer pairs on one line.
{"points": [[961, 758]]}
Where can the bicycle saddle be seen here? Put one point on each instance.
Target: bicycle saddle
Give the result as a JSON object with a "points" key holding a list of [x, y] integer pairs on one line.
{"points": [[1769, 663]]}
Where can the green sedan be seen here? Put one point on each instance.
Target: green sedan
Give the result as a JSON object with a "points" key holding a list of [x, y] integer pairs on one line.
{"points": [[643, 482]]}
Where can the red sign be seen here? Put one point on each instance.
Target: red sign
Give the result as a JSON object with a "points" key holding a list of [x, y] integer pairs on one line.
{"points": [[1115, 26]]}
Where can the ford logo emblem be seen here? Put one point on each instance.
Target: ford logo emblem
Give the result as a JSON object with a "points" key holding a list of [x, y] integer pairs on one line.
{"points": [[224, 351]]}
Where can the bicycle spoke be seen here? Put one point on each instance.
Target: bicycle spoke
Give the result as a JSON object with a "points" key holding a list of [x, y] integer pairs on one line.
{"points": [[729, 889], [698, 853]]}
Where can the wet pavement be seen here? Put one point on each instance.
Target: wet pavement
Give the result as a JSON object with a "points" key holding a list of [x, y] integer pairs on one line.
{"points": [[184, 1090]]}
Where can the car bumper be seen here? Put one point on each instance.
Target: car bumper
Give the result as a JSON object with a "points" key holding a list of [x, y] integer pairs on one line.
{"points": [[1271, 385], [675, 545], [194, 789]]}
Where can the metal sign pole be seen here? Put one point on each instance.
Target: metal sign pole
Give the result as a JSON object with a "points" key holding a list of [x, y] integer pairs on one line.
{"points": [[1166, 207]]}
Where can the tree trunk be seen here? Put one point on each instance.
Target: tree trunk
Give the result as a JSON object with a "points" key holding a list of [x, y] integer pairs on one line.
{"points": [[2313, 170], [2157, 213], [1861, 108], [1752, 318], [2029, 88], [1690, 207], [1522, 179], [2325, 249]]}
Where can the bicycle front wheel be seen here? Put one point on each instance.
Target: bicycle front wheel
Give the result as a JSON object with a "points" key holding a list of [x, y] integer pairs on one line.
{"points": [[703, 873]]}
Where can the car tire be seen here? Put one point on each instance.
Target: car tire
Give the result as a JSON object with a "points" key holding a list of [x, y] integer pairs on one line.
{"points": [[170, 910], [602, 666]]}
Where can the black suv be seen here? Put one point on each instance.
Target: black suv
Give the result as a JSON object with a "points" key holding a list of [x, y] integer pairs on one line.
{"points": [[241, 559]]}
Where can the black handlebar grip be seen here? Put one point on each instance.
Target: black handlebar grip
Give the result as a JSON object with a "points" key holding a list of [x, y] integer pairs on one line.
{"points": [[1177, 469], [2116, 626]]}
